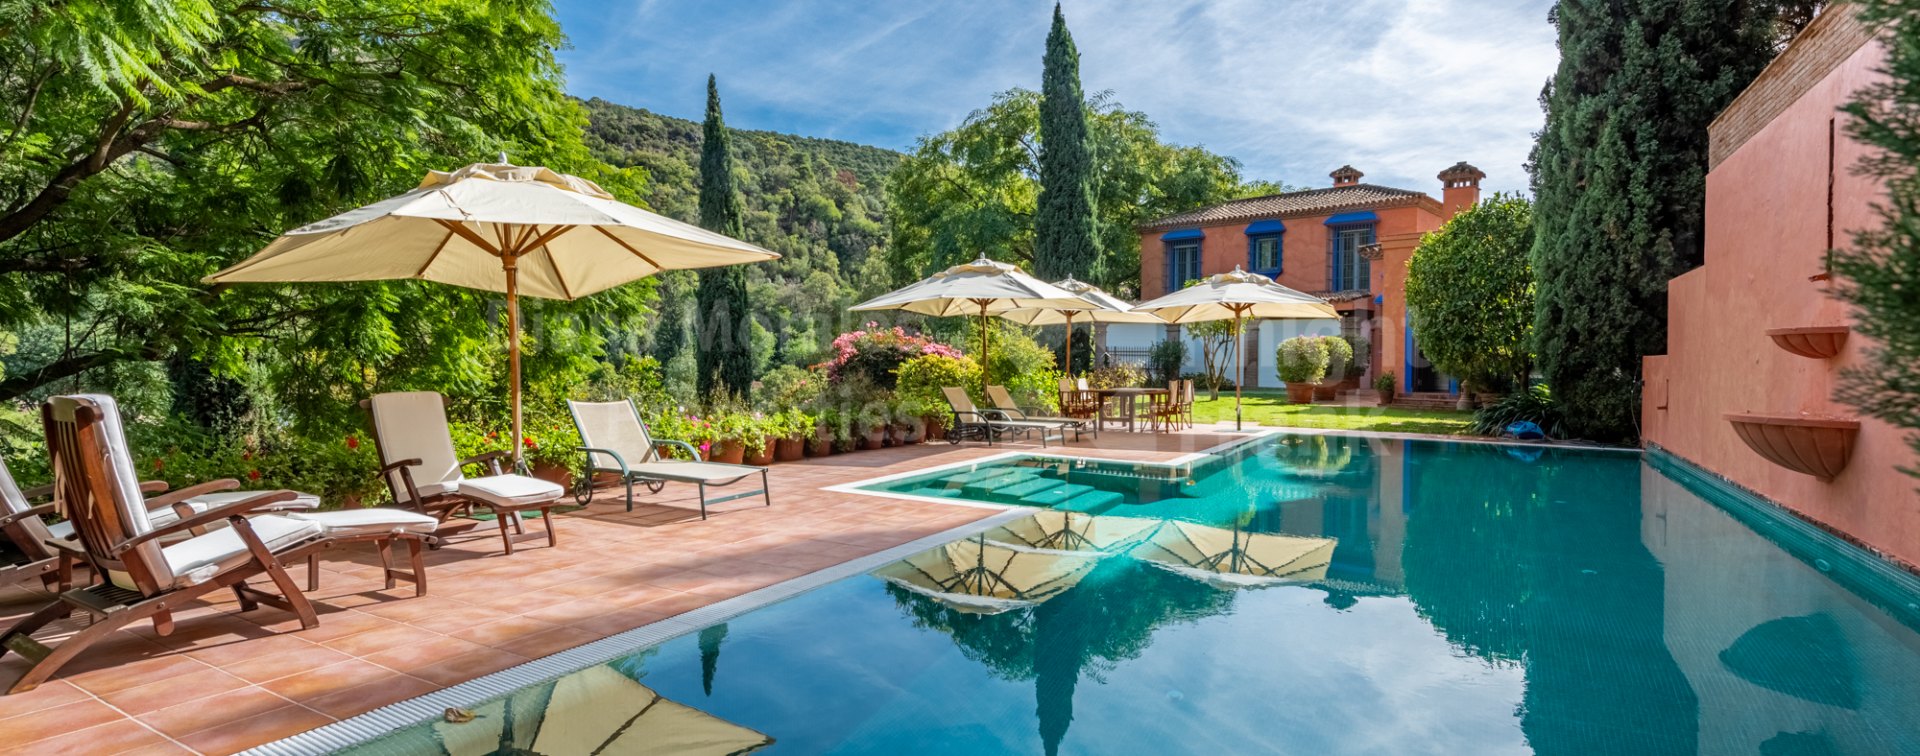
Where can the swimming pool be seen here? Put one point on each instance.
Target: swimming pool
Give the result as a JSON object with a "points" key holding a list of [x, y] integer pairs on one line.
{"points": [[1302, 594]]}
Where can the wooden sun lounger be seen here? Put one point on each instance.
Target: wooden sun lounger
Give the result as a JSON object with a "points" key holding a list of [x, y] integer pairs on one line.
{"points": [[144, 571]]}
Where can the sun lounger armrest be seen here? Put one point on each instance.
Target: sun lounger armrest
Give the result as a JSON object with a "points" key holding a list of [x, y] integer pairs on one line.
{"points": [[617, 459], [234, 511], [996, 415], [39, 511], [490, 459], [176, 497], [691, 451], [153, 486], [959, 415]]}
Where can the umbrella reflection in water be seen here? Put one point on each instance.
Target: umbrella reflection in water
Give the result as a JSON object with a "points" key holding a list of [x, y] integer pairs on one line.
{"points": [[979, 576], [595, 710]]}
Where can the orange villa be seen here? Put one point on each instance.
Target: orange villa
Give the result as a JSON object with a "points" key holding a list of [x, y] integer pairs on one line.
{"points": [[1348, 243]]}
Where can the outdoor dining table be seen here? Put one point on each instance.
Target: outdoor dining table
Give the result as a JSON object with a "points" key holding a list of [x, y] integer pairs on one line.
{"points": [[1131, 397]]}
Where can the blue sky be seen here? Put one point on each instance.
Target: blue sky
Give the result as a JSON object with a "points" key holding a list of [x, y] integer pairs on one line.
{"points": [[1398, 88]]}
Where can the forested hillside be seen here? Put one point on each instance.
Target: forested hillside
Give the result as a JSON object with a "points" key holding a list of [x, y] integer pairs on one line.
{"points": [[818, 202]]}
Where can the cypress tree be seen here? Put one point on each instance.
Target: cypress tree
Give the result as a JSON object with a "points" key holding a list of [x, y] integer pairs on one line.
{"points": [[1880, 275], [725, 360], [1066, 241], [1619, 177]]}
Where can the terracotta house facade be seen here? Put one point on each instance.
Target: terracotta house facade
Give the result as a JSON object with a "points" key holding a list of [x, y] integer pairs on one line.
{"points": [[1348, 243], [1756, 338]]}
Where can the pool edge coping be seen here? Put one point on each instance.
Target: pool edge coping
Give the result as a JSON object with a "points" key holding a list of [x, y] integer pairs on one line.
{"points": [[367, 726]]}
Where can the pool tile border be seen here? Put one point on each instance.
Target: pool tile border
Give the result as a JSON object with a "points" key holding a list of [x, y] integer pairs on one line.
{"points": [[359, 729]]}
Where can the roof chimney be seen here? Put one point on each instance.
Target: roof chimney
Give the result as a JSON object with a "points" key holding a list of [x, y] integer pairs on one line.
{"points": [[1460, 187], [1346, 175]]}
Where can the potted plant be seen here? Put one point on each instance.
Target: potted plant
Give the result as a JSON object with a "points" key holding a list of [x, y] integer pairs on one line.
{"points": [[829, 428], [1339, 361], [1384, 384], [760, 432], [794, 427], [870, 425], [1301, 362]]}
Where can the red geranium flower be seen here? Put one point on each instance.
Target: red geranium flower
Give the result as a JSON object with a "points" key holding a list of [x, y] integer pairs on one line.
{"points": [[253, 475], [157, 464], [353, 442]]}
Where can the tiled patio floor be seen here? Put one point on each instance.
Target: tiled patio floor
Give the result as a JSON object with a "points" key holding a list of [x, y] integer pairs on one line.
{"points": [[224, 681]]}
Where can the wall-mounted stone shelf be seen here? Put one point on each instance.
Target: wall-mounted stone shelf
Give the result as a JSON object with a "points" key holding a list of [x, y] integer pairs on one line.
{"points": [[1817, 342], [1816, 446]]}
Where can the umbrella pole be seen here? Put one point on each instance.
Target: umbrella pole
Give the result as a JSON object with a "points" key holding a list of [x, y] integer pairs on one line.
{"points": [[1240, 364], [985, 375], [1069, 316], [511, 263]]}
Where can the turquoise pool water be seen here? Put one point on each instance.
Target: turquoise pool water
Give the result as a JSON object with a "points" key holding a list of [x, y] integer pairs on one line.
{"points": [[1303, 594]]}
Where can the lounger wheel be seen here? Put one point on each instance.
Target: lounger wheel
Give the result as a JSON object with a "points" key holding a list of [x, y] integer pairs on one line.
{"points": [[583, 491]]}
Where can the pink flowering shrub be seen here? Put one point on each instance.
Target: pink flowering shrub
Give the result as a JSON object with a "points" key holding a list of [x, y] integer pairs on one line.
{"points": [[875, 354]]}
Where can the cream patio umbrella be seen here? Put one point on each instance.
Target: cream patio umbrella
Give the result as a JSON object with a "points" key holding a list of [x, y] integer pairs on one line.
{"points": [[1107, 309], [495, 227], [982, 287], [1237, 296]]}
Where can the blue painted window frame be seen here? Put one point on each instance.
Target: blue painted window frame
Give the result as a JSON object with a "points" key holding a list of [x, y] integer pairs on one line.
{"points": [[1336, 268], [1180, 271], [1260, 231]]}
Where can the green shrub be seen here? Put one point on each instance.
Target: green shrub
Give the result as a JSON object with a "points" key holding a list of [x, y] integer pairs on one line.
{"points": [[1339, 356], [1019, 363], [1536, 405], [1165, 359], [1302, 359], [921, 378], [788, 387], [1117, 376]]}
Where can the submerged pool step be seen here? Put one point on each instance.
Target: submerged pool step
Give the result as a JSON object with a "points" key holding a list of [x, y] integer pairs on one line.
{"points": [[1005, 479], [1058, 494], [1092, 501], [1032, 485]]}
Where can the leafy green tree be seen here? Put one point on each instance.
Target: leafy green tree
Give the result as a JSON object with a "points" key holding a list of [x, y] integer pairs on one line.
{"points": [[151, 143], [1881, 273], [1065, 243], [724, 320], [1216, 351], [1470, 291], [1619, 173], [973, 191]]}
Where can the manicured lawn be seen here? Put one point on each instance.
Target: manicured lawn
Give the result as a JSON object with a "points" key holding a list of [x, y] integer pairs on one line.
{"points": [[1273, 410]]}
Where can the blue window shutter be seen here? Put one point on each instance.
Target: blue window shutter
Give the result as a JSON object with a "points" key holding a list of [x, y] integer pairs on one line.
{"points": [[1333, 262], [1171, 250]]}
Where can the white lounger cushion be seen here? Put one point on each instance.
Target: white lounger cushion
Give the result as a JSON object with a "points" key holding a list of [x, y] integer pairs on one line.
{"points": [[511, 490], [202, 557], [348, 523], [165, 516], [682, 470]]}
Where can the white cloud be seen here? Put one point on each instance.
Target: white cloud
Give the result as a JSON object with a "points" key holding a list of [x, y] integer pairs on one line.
{"points": [[1398, 88]]}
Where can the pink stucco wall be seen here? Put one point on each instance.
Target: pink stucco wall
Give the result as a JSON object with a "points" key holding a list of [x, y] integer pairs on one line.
{"points": [[1767, 234]]}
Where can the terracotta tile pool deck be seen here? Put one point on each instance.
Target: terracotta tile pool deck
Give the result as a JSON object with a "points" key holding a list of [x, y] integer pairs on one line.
{"points": [[225, 681]]}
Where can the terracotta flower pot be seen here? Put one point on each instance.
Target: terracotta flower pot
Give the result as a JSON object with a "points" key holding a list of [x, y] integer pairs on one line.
{"points": [[873, 438], [1386, 398], [730, 452], [789, 449], [554, 473], [1300, 393], [765, 456], [1325, 392], [936, 427], [914, 431]]}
